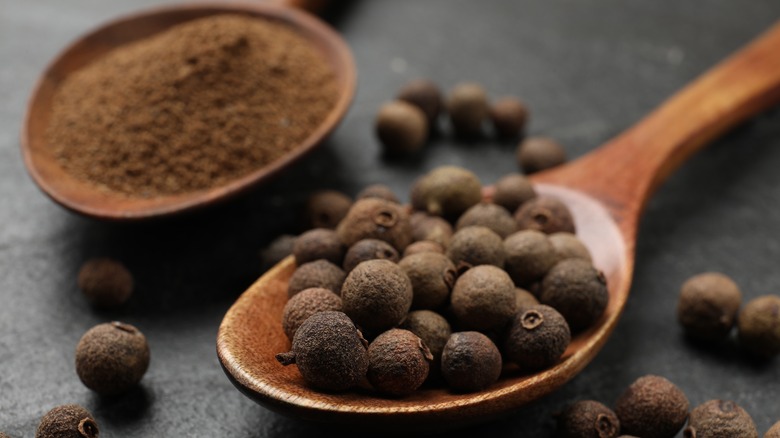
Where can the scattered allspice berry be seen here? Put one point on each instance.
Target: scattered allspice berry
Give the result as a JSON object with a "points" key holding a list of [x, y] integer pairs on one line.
{"points": [[373, 218], [316, 244], [326, 208], [470, 362], [377, 295], [483, 298], [569, 246], [537, 338], [489, 215], [67, 421], [512, 190], [319, 273], [105, 282], [430, 228], [720, 419], [432, 275], [577, 290], [330, 352], [774, 431], [588, 419], [539, 153], [425, 95], [111, 358], [545, 214], [472, 246], [467, 106], [652, 407], [708, 305], [509, 117], [758, 326], [529, 256], [277, 250], [369, 249], [423, 246], [401, 127], [305, 304], [446, 191], [398, 362], [380, 191]]}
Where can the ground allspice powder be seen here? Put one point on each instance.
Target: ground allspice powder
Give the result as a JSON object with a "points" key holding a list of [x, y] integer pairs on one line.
{"points": [[203, 103]]}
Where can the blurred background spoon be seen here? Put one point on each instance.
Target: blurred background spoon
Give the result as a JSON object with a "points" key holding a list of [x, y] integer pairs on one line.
{"points": [[85, 198]]}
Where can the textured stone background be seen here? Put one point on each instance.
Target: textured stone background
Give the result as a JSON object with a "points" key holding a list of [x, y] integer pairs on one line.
{"points": [[587, 68]]}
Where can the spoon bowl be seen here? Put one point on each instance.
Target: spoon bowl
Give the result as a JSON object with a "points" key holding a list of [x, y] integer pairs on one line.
{"points": [[606, 191], [88, 199]]}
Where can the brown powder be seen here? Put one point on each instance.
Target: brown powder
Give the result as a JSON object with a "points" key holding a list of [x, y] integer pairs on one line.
{"points": [[201, 104]]}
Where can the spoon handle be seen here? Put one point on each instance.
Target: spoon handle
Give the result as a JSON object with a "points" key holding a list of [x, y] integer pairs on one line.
{"points": [[625, 171]]}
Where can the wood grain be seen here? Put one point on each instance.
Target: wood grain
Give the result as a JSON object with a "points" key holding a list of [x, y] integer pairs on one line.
{"points": [[88, 199]]}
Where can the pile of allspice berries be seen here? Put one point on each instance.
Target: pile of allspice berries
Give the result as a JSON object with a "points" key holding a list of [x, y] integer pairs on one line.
{"points": [[447, 290]]}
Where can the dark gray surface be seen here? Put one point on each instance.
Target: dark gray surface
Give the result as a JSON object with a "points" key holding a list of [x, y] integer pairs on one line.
{"points": [[587, 68]]}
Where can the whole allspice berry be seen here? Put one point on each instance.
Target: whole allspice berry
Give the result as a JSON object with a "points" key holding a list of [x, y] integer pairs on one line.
{"points": [[524, 298], [513, 190], [305, 304], [537, 338], [577, 290], [652, 407], [774, 431], [425, 95], [277, 250], [398, 362], [432, 275], [423, 246], [369, 249], [720, 419], [446, 191], [467, 106], [569, 246], [708, 305], [330, 352], [489, 215], [432, 328], [105, 282], [377, 295], [319, 243], [588, 419], [529, 256], [470, 362], [319, 273], [380, 191], [483, 298], [539, 153], [373, 218], [545, 214], [430, 228], [67, 421], [401, 127], [758, 326], [472, 246], [111, 358], [326, 208], [509, 117]]}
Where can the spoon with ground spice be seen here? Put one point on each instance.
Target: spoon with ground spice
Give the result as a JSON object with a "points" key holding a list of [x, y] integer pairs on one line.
{"points": [[177, 108], [606, 192]]}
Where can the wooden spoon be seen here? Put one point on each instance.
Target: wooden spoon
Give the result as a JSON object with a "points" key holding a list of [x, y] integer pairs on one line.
{"points": [[606, 191], [89, 200]]}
